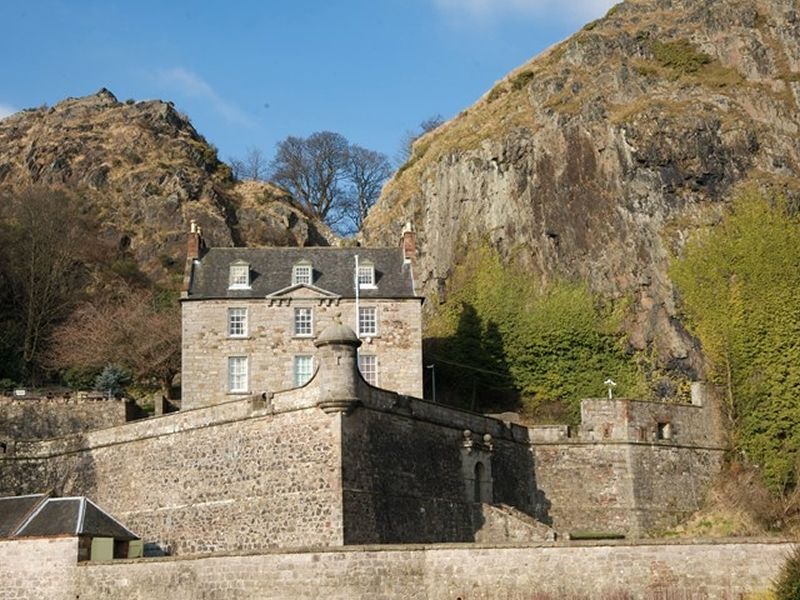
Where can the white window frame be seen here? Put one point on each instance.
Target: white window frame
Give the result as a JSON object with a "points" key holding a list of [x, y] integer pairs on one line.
{"points": [[303, 274], [233, 313], [364, 310], [239, 276], [238, 381], [297, 312], [299, 377], [370, 375], [366, 276]]}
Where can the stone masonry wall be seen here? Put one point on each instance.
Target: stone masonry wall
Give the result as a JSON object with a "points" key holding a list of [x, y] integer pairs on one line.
{"points": [[638, 420], [271, 344], [38, 568], [690, 570], [404, 471], [622, 487], [232, 477], [39, 418]]}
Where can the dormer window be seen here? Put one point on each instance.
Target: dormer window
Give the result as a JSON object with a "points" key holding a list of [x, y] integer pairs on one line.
{"points": [[239, 278], [366, 275], [302, 273]]}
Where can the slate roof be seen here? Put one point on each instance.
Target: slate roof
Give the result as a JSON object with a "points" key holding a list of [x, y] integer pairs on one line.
{"points": [[14, 510], [40, 516], [271, 271]]}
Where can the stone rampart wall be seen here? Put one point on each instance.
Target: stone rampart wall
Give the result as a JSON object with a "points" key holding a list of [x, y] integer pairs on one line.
{"points": [[406, 477], [622, 487], [230, 477], [40, 418], [266, 471], [638, 421], [690, 570]]}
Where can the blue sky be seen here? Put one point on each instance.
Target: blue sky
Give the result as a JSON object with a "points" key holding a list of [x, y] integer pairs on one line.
{"points": [[250, 73]]}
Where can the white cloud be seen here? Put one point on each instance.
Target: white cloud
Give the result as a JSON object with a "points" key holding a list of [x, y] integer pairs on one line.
{"points": [[192, 85], [481, 11], [6, 109]]}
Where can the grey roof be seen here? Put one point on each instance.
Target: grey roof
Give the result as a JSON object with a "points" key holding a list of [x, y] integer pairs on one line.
{"points": [[14, 510], [271, 271], [40, 516]]}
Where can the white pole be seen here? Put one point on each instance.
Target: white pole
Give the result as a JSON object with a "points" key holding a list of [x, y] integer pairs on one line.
{"points": [[355, 283]]}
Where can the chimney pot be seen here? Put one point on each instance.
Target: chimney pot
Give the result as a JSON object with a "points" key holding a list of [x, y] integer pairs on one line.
{"points": [[194, 241], [408, 242]]}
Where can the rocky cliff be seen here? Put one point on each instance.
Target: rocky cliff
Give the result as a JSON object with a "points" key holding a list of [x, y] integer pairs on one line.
{"points": [[147, 172], [597, 158]]}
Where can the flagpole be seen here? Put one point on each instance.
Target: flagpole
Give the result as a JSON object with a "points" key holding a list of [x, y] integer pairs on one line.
{"points": [[355, 284]]}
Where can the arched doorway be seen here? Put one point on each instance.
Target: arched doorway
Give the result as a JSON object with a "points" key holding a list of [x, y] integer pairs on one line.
{"points": [[479, 482]]}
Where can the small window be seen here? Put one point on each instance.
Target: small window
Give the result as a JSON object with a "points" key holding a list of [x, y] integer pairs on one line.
{"points": [[302, 273], [368, 365], [303, 322], [303, 366], [237, 374], [366, 275], [664, 431], [239, 276], [237, 322], [367, 321]]}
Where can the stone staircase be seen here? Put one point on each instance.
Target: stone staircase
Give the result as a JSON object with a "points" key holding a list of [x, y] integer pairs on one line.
{"points": [[503, 524]]}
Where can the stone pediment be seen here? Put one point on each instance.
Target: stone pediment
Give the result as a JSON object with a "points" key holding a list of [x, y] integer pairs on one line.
{"points": [[303, 291]]}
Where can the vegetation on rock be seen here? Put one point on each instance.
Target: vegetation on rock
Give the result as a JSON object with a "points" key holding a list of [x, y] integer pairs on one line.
{"points": [[738, 282], [554, 346]]}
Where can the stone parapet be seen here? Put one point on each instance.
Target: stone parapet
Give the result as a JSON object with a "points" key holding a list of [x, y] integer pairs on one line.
{"points": [[709, 569]]}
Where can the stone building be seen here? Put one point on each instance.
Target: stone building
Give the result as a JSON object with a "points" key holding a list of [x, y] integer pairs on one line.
{"points": [[250, 316], [99, 535]]}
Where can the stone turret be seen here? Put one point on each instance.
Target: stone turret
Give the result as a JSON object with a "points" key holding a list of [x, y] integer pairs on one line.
{"points": [[338, 368]]}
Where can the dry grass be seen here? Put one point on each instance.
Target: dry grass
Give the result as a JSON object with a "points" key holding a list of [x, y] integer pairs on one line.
{"points": [[505, 108], [739, 505]]}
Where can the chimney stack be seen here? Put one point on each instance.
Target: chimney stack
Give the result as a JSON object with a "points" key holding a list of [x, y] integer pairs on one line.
{"points": [[408, 242], [195, 242], [195, 246]]}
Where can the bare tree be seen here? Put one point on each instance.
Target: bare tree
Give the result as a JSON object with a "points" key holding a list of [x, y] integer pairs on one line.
{"points": [[313, 170], [133, 330], [46, 245], [412, 135], [237, 168], [367, 171], [252, 167], [255, 165]]}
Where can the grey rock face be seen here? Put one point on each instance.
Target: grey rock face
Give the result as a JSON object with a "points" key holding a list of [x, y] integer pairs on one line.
{"points": [[597, 159]]}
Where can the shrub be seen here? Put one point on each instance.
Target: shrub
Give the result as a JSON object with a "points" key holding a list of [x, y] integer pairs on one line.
{"points": [[77, 378], [680, 56], [521, 80], [112, 380], [787, 587]]}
